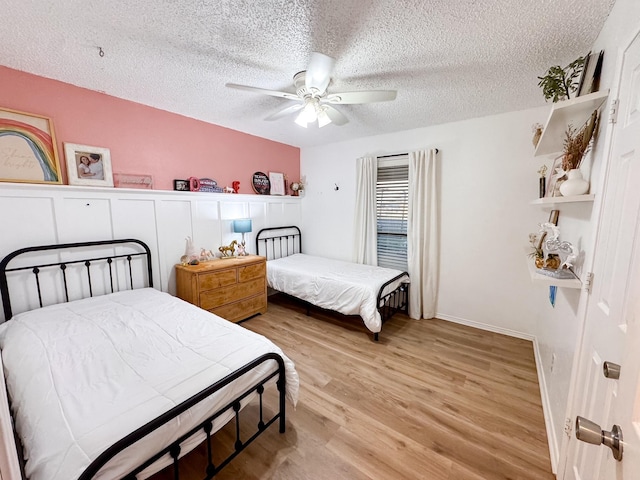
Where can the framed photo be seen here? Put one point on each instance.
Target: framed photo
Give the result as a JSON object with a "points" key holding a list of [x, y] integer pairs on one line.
{"points": [[552, 182], [27, 148], [88, 165], [590, 81], [277, 183], [587, 59], [181, 185]]}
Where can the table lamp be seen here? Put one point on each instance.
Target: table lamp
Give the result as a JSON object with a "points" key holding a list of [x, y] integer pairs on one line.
{"points": [[242, 225]]}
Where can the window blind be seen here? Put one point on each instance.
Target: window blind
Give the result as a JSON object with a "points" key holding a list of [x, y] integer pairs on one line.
{"points": [[392, 205]]}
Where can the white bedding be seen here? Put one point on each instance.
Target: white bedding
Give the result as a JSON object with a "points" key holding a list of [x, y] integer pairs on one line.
{"points": [[348, 288], [84, 374]]}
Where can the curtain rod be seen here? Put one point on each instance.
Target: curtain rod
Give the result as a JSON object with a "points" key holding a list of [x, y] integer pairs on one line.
{"points": [[398, 154]]}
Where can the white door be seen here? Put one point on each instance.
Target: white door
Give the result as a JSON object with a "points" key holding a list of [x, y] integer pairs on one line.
{"points": [[612, 329]]}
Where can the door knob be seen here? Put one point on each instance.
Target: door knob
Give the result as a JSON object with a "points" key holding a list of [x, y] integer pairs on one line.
{"points": [[611, 370], [590, 432]]}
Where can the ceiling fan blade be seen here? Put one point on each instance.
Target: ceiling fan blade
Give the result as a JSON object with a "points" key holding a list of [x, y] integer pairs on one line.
{"points": [[337, 118], [285, 111], [318, 73], [371, 96], [273, 93]]}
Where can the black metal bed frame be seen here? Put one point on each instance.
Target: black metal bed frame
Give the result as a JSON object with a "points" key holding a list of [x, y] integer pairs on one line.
{"points": [[206, 426], [291, 243]]}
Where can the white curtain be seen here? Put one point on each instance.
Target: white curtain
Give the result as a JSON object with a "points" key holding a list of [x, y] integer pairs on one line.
{"points": [[422, 233], [365, 248]]}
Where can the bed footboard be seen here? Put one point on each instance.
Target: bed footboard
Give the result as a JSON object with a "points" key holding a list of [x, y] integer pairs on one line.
{"points": [[207, 426], [395, 301]]}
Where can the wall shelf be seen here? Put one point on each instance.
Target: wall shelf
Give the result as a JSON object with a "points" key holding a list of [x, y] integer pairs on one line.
{"points": [[575, 112], [559, 200], [545, 280]]}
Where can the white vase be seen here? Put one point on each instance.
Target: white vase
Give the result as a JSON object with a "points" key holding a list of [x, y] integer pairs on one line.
{"points": [[574, 185]]}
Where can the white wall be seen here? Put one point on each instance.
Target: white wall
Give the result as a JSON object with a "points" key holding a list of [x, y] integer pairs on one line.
{"points": [[487, 179], [40, 215]]}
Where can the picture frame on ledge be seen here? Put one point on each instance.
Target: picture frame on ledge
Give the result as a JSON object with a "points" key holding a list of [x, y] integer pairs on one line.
{"points": [[181, 185], [553, 185], [277, 183], [28, 151], [88, 166]]}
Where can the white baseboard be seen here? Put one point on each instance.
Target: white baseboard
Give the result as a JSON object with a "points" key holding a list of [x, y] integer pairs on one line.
{"points": [[484, 326], [544, 395], [554, 451]]}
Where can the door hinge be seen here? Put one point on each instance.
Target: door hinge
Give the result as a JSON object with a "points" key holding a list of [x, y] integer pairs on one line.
{"points": [[588, 282], [568, 427], [613, 112]]}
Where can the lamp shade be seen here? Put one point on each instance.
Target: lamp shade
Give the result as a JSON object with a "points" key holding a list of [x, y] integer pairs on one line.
{"points": [[242, 225]]}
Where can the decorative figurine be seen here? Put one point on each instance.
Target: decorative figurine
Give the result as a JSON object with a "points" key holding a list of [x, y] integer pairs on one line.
{"points": [[296, 188], [542, 180], [227, 251], [190, 250], [206, 255], [236, 186]]}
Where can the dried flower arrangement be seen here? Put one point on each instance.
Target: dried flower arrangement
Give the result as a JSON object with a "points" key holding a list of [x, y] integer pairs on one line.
{"points": [[578, 142]]}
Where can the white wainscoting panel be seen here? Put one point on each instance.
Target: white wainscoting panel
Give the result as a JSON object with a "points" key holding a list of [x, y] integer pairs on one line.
{"points": [[46, 214]]}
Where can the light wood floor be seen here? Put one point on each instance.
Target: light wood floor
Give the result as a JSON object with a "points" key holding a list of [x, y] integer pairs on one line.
{"points": [[431, 400]]}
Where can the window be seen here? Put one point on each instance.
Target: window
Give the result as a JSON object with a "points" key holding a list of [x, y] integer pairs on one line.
{"points": [[392, 205]]}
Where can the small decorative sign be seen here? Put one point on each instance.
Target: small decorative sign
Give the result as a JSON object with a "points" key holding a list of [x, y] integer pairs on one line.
{"points": [[261, 184], [130, 180], [204, 185], [209, 185]]}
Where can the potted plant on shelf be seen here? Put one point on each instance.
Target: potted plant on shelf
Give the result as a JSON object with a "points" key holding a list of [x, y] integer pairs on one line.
{"points": [[575, 146], [559, 83], [537, 253]]}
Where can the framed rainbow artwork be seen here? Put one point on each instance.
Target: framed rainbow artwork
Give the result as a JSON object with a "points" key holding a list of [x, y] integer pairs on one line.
{"points": [[27, 148]]}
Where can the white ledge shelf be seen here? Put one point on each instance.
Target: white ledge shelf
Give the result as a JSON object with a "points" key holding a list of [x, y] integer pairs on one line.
{"points": [[575, 112], [557, 200], [545, 280]]}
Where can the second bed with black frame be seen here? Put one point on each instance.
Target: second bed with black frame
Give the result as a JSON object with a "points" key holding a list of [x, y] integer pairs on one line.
{"points": [[277, 243]]}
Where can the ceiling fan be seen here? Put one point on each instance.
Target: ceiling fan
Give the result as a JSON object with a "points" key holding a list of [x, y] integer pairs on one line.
{"points": [[313, 102]]}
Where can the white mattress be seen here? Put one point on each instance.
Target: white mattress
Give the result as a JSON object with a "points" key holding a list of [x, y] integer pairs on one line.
{"points": [[84, 374], [348, 288]]}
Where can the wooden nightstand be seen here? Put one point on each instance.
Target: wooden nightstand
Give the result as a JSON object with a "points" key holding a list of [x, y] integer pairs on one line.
{"points": [[234, 289]]}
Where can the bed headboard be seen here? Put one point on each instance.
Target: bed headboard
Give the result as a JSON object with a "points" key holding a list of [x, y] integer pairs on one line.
{"points": [[278, 242], [59, 273]]}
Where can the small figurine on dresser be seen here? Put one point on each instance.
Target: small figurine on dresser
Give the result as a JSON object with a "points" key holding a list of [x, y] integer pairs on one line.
{"points": [[190, 253], [228, 251]]}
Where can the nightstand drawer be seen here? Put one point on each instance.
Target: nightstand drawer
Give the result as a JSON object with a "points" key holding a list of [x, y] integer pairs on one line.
{"points": [[242, 309], [231, 293], [250, 272], [221, 278]]}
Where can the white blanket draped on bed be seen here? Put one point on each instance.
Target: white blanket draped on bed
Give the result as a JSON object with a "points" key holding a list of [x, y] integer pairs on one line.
{"points": [[345, 287], [84, 374]]}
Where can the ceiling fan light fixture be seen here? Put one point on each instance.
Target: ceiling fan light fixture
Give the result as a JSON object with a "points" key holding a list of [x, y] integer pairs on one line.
{"points": [[301, 119], [323, 118]]}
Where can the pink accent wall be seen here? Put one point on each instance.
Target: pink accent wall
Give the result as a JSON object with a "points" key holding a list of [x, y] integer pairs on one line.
{"points": [[146, 140]]}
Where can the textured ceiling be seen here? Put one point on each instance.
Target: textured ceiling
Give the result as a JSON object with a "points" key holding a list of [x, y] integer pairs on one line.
{"points": [[448, 59]]}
